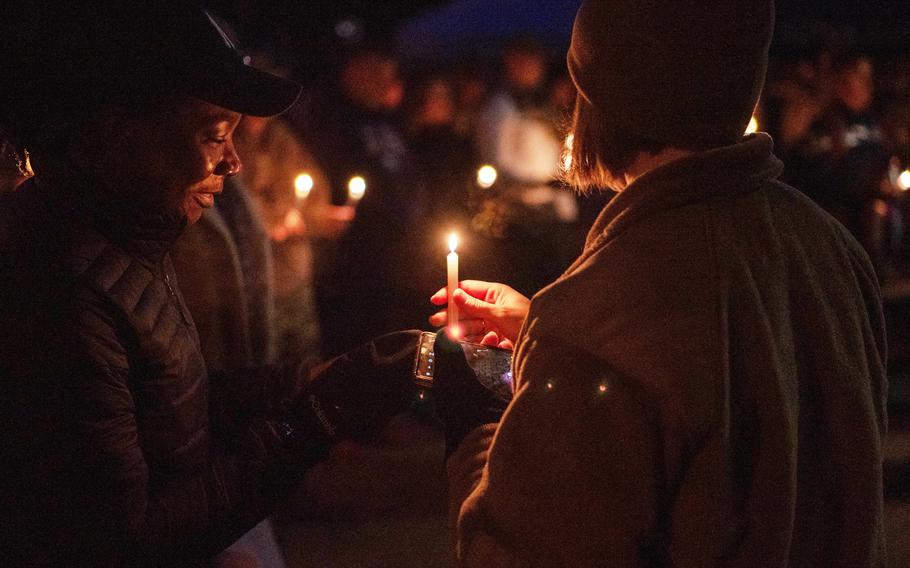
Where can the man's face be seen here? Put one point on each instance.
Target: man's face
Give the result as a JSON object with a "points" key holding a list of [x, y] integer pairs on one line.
{"points": [[184, 152]]}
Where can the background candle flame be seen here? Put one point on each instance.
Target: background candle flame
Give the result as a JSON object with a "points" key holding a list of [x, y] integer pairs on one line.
{"points": [[357, 187], [486, 176], [302, 185], [903, 181]]}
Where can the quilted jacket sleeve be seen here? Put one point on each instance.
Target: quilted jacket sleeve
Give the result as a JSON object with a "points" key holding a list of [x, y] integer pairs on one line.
{"points": [[148, 518]]}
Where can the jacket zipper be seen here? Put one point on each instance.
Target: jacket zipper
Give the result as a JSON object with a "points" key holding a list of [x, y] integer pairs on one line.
{"points": [[173, 293]]}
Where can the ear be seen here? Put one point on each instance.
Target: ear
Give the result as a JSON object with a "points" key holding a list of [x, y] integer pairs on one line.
{"points": [[106, 129]]}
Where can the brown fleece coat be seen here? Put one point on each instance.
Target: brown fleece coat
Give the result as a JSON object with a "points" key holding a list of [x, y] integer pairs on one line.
{"points": [[705, 386]]}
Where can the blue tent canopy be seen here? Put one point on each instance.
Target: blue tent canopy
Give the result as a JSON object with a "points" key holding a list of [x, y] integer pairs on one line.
{"points": [[477, 27]]}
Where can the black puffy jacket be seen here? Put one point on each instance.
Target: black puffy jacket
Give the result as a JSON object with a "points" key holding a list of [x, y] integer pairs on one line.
{"points": [[117, 447]]}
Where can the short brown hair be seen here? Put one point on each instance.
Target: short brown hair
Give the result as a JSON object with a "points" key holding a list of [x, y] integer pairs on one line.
{"points": [[599, 152]]}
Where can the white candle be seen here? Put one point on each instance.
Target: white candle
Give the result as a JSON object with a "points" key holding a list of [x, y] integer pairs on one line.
{"points": [[452, 284]]}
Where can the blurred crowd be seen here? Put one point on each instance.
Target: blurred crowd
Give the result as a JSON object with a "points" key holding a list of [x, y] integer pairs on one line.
{"points": [[841, 123], [335, 231]]}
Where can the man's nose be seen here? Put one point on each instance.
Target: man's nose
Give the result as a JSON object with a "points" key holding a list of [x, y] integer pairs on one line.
{"points": [[230, 163]]}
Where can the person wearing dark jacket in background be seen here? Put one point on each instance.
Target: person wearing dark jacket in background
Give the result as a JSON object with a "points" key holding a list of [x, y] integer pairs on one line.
{"points": [[842, 161], [705, 386], [119, 447], [366, 287]]}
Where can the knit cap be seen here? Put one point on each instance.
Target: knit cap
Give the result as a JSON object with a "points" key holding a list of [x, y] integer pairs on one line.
{"points": [[683, 73]]}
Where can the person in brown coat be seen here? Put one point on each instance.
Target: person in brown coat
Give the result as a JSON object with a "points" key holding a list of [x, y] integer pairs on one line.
{"points": [[705, 385]]}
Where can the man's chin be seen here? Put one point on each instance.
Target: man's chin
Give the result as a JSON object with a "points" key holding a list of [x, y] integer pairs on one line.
{"points": [[193, 214]]}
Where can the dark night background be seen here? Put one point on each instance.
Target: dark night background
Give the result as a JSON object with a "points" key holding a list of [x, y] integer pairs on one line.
{"points": [[302, 34]]}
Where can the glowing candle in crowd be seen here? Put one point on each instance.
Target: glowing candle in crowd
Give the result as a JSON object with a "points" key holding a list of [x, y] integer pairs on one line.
{"points": [[303, 184], [753, 126], [357, 187], [486, 176], [452, 284], [903, 180]]}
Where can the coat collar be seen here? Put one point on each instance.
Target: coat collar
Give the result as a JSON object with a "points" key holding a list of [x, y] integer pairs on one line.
{"points": [[713, 174], [142, 234]]}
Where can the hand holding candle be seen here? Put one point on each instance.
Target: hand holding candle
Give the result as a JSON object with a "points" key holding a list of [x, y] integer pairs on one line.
{"points": [[452, 284]]}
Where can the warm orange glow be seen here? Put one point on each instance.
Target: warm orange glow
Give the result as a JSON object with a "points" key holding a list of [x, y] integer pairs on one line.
{"points": [[567, 152], [453, 242], [486, 176], [293, 220], [303, 184]]}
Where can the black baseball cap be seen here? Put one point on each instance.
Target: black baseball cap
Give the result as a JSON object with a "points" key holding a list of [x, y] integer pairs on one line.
{"points": [[63, 55]]}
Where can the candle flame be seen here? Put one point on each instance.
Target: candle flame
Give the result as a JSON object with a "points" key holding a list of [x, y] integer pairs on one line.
{"points": [[903, 180], [753, 126], [303, 184], [486, 176], [453, 242], [357, 187]]}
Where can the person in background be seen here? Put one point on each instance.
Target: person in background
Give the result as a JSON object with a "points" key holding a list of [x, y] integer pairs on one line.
{"points": [[842, 161], [518, 134], [449, 164], [368, 286], [277, 163], [121, 448], [705, 385], [471, 92], [225, 266]]}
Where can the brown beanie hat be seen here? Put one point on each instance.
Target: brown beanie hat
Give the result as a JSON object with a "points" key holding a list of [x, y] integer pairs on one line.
{"points": [[683, 73]]}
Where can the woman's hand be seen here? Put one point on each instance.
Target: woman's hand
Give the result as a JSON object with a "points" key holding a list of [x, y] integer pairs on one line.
{"points": [[489, 312]]}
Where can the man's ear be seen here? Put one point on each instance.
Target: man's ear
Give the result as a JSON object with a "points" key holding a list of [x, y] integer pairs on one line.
{"points": [[108, 128]]}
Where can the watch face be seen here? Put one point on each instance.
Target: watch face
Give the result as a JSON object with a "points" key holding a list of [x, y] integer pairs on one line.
{"points": [[425, 363]]}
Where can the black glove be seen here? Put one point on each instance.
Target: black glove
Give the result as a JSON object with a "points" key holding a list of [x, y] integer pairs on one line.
{"points": [[462, 401], [356, 394]]}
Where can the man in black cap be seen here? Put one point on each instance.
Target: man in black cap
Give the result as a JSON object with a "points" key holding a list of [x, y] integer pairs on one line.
{"points": [[119, 448], [705, 385]]}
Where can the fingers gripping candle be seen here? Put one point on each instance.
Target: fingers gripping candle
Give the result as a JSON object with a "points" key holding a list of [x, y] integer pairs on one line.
{"points": [[452, 284]]}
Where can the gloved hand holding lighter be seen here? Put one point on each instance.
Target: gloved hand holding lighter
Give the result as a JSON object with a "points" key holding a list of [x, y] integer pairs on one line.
{"points": [[462, 401]]}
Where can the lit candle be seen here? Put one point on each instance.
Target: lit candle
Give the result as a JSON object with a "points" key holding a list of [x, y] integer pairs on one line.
{"points": [[486, 176], [357, 187], [303, 184], [753, 126], [452, 284], [903, 180]]}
